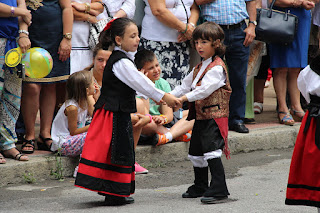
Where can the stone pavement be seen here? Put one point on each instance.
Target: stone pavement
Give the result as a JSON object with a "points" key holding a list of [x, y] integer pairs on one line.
{"points": [[267, 133]]}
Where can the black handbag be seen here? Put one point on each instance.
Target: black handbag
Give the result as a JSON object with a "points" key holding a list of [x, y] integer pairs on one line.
{"points": [[275, 26]]}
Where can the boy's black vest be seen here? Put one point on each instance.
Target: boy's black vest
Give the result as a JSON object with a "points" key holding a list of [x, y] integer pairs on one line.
{"points": [[115, 96]]}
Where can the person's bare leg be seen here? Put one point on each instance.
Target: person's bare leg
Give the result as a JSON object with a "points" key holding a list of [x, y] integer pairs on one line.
{"points": [[280, 87], [294, 91], [181, 127], [29, 108], [142, 105], [258, 90], [47, 106]]}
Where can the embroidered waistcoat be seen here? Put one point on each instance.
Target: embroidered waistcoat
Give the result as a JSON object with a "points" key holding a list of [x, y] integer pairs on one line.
{"points": [[215, 105]]}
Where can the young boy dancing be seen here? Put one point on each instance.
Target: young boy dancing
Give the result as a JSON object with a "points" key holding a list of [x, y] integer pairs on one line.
{"points": [[208, 90]]}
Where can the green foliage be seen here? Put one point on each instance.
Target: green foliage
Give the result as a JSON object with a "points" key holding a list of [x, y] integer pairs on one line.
{"points": [[29, 178], [58, 173]]}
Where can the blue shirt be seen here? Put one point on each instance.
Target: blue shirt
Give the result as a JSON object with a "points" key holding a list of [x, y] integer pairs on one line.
{"points": [[225, 12]]}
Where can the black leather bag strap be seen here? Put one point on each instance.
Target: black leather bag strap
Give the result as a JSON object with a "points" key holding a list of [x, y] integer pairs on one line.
{"points": [[185, 9], [107, 10]]}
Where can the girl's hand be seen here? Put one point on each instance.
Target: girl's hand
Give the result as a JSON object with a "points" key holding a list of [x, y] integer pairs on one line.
{"points": [[134, 118], [143, 120], [171, 100], [64, 49], [158, 120], [24, 43], [96, 94]]}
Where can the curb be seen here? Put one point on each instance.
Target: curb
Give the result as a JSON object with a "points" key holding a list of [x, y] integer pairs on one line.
{"points": [[40, 166]]}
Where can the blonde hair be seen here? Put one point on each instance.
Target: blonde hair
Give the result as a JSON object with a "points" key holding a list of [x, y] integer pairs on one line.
{"points": [[77, 85]]}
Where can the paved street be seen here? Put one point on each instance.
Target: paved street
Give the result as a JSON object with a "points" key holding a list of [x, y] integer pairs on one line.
{"points": [[257, 183]]}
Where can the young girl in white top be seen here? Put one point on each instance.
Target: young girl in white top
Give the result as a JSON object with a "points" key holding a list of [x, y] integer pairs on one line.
{"points": [[68, 128], [107, 160]]}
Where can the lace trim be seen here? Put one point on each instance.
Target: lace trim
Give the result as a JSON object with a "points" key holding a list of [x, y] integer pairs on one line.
{"points": [[34, 4]]}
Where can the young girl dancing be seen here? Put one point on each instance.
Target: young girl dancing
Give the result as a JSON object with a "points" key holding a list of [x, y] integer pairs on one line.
{"points": [[304, 176], [68, 128], [208, 90], [107, 161]]}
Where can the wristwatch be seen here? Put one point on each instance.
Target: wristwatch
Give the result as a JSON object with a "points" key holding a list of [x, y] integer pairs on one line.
{"points": [[68, 36], [253, 22]]}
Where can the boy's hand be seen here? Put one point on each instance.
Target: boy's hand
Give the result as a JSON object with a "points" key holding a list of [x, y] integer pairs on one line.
{"points": [[144, 72]]}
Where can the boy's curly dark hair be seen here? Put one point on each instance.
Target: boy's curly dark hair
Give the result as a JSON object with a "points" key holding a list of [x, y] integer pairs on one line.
{"points": [[210, 31]]}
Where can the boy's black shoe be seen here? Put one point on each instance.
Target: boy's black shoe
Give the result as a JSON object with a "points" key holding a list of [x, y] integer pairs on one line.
{"points": [[188, 195], [214, 200]]}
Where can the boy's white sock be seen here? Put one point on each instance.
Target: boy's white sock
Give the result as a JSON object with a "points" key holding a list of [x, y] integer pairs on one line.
{"points": [[168, 136]]}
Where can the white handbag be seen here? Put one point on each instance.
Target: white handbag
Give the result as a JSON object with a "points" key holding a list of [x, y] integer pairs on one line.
{"points": [[96, 29]]}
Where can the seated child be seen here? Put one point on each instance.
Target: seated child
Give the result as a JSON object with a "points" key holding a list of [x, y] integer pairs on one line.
{"points": [[68, 127], [166, 125]]}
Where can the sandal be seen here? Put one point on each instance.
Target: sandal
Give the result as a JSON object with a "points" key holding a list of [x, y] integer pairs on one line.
{"points": [[28, 143], [2, 159], [43, 145], [18, 157], [295, 116], [257, 107], [287, 119]]}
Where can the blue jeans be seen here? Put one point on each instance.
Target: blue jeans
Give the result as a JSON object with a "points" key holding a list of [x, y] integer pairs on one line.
{"points": [[237, 56]]}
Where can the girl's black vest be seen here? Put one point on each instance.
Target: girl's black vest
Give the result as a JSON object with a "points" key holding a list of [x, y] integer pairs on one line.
{"points": [[115, 95]]}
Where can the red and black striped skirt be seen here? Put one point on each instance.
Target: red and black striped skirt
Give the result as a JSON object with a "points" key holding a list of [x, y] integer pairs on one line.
{"points": [[304, 177], [96, 172]]}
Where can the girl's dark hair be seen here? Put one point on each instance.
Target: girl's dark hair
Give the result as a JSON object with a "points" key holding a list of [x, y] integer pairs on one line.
{"points": [[95, 52], [77, 85], [142, 57], [118, 27], [210, 31]]}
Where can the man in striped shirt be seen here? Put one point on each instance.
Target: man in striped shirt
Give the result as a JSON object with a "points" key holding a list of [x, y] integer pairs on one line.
{"points": [[230, 15]]}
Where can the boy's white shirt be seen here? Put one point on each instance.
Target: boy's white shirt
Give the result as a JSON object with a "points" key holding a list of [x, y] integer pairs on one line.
{"points": [[309, 83], [125, 70], [212, 80]]}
